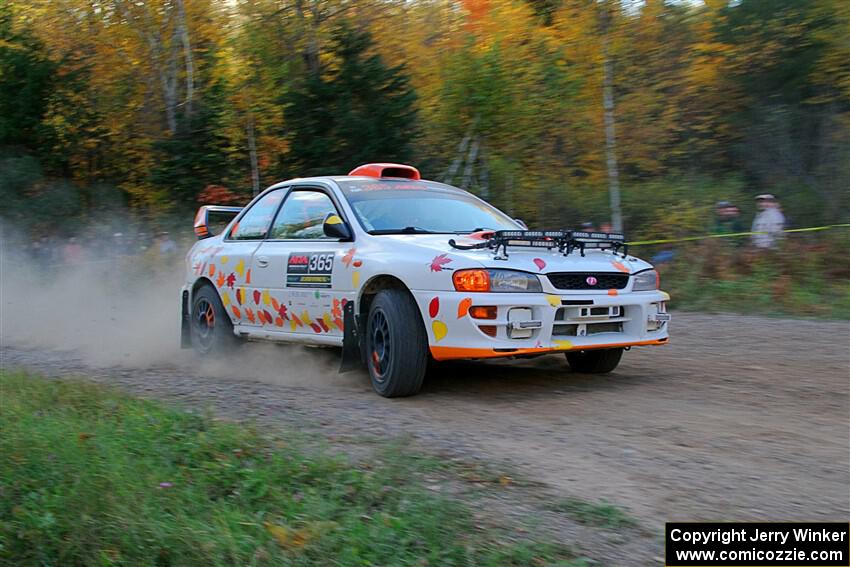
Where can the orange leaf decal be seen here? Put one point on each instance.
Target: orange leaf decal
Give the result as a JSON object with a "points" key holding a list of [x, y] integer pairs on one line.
{"points": [[620, 267], [349, 256], [249, 314], [463, 307], [212, 270], [248, 276], [220, 281], [278, 321], [275, 304], [236, 312]]}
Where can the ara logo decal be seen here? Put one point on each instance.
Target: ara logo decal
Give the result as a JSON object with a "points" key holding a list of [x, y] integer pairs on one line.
{"points": [[591, 280]]}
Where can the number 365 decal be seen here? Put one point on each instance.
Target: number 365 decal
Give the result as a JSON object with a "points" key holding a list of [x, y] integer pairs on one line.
{"points": [[310, 270]]}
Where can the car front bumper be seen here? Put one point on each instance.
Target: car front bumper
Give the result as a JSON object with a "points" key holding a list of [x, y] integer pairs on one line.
{"points": [[528, 324]]}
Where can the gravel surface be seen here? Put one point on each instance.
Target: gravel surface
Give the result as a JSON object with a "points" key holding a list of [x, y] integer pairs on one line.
{"points": [[738, 418]]}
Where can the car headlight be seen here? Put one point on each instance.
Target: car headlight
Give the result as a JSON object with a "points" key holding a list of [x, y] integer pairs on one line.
{"points": [[496, 281], [647, 280]]}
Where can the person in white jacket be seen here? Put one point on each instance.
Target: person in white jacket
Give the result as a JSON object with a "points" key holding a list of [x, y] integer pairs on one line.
{"points": [[768, 222]]}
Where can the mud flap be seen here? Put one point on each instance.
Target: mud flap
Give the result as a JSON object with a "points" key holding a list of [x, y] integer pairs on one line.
{"points": [[185, 333], [351, 357]]}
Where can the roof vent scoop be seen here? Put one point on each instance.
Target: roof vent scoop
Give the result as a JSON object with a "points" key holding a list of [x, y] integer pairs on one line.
{"points": [[386, 170]]}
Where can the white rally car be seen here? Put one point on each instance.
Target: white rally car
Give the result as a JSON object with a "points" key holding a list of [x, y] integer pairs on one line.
{"points": [[397, 270]]}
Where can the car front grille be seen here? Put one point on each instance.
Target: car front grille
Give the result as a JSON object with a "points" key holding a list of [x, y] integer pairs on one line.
{"points": [[572, 280]]}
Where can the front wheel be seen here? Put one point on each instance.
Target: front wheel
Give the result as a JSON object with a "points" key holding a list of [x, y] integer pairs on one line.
{"points": [[599, 361], [396, 344], [210, 327]]}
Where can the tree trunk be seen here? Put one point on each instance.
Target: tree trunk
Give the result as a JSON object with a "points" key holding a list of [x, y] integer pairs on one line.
{"points": [[455, 165], [166, 71], [311, 31], [484, 178], [183, 30], [610, 131], [252, 152], [470, 164]]}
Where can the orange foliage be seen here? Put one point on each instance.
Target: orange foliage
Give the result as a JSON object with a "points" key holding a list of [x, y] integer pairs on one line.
{"points": [[218, 195]]}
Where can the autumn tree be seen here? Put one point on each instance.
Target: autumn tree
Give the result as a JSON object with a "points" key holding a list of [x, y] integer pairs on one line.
{"points": [[197, 153], [785, 61], [26, 83], [353, 111]]}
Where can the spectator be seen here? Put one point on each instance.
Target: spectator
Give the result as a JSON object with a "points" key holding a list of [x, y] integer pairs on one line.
{"points": [[727, 219], [167, 247], [120, 245], [664, 256], [72, 252], [42, 251], [768, 222]]}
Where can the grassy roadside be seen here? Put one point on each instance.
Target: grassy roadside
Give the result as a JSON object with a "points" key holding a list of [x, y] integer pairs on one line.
{"points": [[800, 279], [91, 476]]}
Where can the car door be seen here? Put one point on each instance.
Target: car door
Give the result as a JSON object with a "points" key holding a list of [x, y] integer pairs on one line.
{"points": [[231, 268], [300, 269]]}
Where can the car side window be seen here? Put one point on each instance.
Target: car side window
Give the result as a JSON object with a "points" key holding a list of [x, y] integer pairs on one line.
{"points": [[255, 223], [302, 215]]}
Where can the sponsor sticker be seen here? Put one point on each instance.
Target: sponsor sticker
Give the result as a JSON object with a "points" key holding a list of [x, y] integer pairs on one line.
{"points": [[313, 269]]}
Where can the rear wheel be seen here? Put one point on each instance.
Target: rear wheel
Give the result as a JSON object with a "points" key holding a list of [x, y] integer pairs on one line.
{"points": [[599, 361], [212, 331], [396, 344]]}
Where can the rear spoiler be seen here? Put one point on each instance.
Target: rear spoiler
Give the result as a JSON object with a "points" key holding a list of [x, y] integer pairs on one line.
{"points": [[211, 217]]}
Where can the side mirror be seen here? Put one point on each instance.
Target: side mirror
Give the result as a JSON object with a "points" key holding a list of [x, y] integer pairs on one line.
{"points": [[213, 219], [335, 227], [521, 223]]}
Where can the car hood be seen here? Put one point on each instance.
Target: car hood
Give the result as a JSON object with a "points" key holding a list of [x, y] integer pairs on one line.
{"points": [[538, 260]]}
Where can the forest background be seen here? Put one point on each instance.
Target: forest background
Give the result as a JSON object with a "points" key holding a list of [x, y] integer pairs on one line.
{"points": [[135, 113]]}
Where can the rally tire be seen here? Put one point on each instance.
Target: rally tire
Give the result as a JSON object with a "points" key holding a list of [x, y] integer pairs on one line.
{"points": [[599, 361], [396, 346], [210, 326]]}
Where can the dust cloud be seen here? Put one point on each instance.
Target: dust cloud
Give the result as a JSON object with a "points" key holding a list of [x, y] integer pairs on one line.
{"points": [[119, 305]]}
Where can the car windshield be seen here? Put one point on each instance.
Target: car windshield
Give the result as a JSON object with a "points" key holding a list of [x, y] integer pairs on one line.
{"points": [[390, 206]]}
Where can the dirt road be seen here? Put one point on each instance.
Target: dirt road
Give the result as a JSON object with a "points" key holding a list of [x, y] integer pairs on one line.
{"points": [[739, 418]]}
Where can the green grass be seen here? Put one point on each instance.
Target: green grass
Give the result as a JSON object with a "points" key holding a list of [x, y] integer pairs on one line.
{"points": [[89, 476], [599, 514]]}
